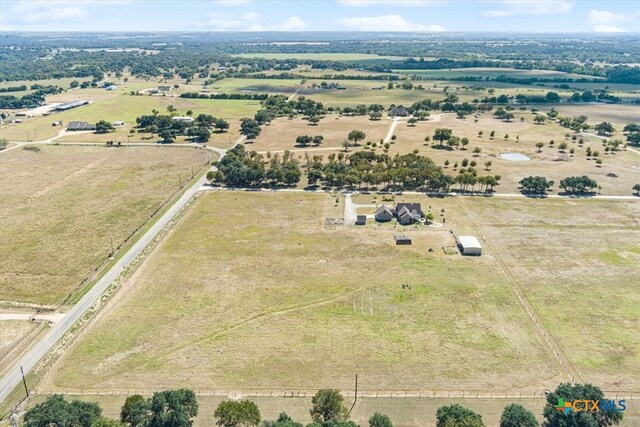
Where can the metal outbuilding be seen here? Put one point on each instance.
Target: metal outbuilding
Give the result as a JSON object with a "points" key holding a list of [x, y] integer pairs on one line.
{"points": [[469, 245]]}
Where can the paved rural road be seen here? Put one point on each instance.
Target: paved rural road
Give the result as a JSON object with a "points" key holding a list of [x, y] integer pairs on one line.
{"points": [[28, 360]]}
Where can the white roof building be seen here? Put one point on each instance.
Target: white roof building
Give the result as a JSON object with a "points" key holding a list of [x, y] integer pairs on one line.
{"points": [[469, 245], [182, 119]]}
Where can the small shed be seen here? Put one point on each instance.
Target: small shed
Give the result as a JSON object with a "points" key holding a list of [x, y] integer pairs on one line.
{"points": [[402, 239], [361, 220], [469, 245]]}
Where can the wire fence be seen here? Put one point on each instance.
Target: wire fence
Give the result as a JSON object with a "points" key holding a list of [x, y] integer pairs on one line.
{"points": [[307, 394]]}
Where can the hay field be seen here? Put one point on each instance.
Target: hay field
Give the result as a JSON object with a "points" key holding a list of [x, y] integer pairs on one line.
{"points": [[281, 134], [250, 291], [61, 205]]}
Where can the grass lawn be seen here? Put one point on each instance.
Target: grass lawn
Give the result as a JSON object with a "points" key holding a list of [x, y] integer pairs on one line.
{"points": [[60, 207], [234, 306]]}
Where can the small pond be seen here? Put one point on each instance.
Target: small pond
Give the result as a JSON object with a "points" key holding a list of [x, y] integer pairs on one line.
{"points": [[515, 157]]}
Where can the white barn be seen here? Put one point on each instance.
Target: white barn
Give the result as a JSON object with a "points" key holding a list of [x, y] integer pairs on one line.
{"points": [[469, 245]]}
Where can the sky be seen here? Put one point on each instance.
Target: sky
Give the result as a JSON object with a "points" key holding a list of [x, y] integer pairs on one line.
{"points": [[328, 15]]}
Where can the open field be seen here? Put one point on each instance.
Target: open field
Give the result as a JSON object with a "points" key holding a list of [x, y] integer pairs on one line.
{"points": [[62, 205], [228, 291], [11, 333], [345, 57], [493, 72], [281, 134], [619, 115], [578, 262]]}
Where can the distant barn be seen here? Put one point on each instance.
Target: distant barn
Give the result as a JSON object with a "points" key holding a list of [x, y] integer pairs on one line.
{"points": [[361, 220], [70, 105]]}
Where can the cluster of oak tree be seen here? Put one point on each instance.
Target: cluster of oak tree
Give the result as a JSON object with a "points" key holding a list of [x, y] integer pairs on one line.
{"points": [[178, 408]]}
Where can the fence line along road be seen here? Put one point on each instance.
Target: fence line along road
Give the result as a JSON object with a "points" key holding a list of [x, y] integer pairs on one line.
{"points": [[400, 394], [28, 360]]}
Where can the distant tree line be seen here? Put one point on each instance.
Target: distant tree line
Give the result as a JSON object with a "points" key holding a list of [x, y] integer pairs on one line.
{"points": [[32, 99], [245, 96]]}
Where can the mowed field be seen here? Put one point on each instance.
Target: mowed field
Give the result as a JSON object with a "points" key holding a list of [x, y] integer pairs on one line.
{"points": [[250, 291], [62, 205], [579, 263]]}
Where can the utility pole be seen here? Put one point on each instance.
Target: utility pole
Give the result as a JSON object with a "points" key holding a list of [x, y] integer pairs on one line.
{"points": [[24, 381], [112, 251], [191, 171], [355, 397], [180, 180]]}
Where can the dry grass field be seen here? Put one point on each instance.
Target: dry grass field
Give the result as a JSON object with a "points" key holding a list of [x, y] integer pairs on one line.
{"points": [[579, 263], [234, 307], [62, 205], [11, 333], [281, 134]]}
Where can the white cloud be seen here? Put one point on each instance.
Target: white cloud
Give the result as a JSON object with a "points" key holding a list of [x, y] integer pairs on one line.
{"points": [[231, 3], [607, 29], [604, 21], [55, 10], [386, 23], [251, 21], [529, 8], [409, 3], [293, 24]]}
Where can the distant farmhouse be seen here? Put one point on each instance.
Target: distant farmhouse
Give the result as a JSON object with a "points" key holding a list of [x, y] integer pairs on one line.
{"points": [[404, 213], [73, 126], [164, 88], [398, 111], [111, 87], [70, 105]]}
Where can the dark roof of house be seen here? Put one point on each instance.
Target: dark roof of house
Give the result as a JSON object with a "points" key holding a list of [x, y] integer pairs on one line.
{"points": [[399, 111], [382, 209], [361, 219], [80, 126], [414, 208]]}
